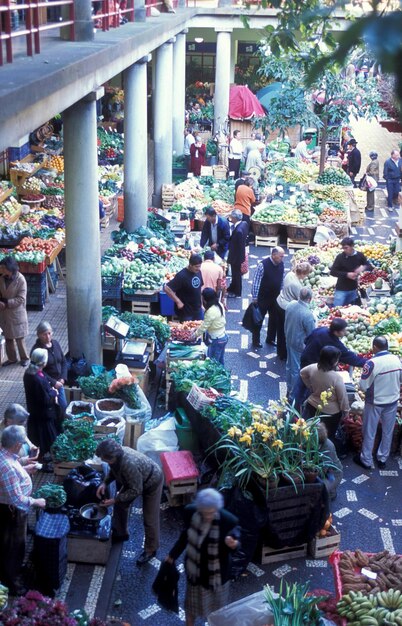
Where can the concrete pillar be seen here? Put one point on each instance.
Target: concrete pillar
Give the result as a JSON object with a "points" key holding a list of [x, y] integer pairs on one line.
{"points": [[233, 59], [84, 292], [139, 11], [222, 77], [83, 24], [179, 91], [135, 146], [163, 120]]}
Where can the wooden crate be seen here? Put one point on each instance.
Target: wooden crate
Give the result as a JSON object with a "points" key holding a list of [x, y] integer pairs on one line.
{"points": [[270, 555], [134, 430], [324, 546], [140, 307], [269, 242], [88, 550], [296, 245], [73, 394], [109, 342], [181, 492], [64, 467], [18, 177], [220, 172], [206, 170], [5, 194]]}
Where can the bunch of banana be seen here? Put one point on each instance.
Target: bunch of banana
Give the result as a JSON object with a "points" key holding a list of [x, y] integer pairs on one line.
{"points": [[3, 596], [380, 609]]}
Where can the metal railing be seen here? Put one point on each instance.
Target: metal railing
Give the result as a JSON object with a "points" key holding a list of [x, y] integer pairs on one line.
{"points": [[161, 5], [112, 14]]}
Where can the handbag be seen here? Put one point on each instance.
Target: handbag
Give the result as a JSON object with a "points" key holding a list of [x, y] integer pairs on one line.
{"points": [[252, 318], [244, 266], [371, 183], [363, 183]]}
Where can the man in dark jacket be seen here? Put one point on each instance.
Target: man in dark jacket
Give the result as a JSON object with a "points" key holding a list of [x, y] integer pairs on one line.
{"points": [[354, 160], [319, 338], [237, 252], [265, 289], [393, 175], [215, 232], [347, 267]]}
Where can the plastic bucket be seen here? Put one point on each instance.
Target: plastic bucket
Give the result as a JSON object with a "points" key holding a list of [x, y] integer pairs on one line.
{"points": [[187, 438]]}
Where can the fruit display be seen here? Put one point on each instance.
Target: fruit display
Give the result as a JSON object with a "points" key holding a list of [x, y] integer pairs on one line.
{"points": [[362, 609], [334, 176], [329, 192], [184, 331], [56, 163], [9, 208], [29, 244], [33, 185], [270, 213]]}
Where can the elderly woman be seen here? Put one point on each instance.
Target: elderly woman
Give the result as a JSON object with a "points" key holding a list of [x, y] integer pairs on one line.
{"points": [[373, 169], [290, 291], [41, 402], [328, 396], [13, 315], [197, 156], [16, 415], [56, 367], [209, 538]]}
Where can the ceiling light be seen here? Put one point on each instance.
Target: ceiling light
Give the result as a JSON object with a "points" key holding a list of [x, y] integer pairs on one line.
{"points": [[199, 39]]}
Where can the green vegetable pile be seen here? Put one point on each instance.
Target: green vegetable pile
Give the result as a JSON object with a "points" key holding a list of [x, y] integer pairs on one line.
{"points": [[54, 495], [227, 411], [334, 176], [97, 386], [146, 327], [205, 374], [77, 443]]}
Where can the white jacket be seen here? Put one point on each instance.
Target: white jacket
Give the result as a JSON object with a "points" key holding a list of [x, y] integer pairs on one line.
{"points": [[381, 378]]}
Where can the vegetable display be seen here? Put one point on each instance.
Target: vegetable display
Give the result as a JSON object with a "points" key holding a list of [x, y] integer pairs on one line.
{"points": [[205, 374], [77, 443], [54, 495]]}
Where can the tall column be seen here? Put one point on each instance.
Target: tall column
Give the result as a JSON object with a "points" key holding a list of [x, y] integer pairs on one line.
{"points": [[179, 91], [163, 120], [139, 11], [222, 77], [233, 59], [83, 24], [135, 146], [84, 291]]}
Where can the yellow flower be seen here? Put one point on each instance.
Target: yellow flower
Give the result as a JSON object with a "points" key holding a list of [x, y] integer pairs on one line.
{"points": [[250, 430], [299, 425], [234, 432], [245, 439], [277, 444]]}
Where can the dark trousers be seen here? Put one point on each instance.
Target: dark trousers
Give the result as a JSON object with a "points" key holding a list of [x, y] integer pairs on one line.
{"points": [[393, 188], [234, 166], [236, 283], [266, 307], [331, 421], [13, 530], [280, 332]]}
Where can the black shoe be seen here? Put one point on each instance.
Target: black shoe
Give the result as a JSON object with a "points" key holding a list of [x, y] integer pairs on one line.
{"points": [[119, 538], [232, 295], [7, 363], [24, 363], [145, 557], [381, 464], [256, 346], [358, 461], [270, 343]]}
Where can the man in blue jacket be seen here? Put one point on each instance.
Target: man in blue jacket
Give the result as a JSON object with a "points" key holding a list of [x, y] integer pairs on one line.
{"points": [[320, 337], [215, 232], [393, 175]]}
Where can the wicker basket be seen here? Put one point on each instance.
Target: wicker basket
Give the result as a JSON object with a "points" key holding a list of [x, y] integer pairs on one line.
{"points": [[340, 230], [300, 233], [264, 229]]}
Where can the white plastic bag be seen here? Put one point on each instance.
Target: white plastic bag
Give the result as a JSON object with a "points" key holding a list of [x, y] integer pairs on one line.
{"points": [[371, 182], [142, 414], [163, 438], [249, 611], [118, 411]]}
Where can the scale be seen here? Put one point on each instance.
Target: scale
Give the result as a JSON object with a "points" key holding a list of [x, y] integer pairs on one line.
{"points": [[134, 354]]}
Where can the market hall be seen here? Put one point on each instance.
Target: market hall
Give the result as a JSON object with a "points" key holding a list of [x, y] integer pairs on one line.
{"points": [[232, 349]]}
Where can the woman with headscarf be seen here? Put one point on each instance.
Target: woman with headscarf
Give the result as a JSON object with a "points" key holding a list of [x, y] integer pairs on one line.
{"points": [[210, 536], [41, 403], [56, 366], [197, 156], [373, 169], [13, 315]]}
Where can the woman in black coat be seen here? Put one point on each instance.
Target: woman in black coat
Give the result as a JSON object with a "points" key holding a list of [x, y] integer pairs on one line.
{"points": [[41, 403], [210, 536], [56, 367]]}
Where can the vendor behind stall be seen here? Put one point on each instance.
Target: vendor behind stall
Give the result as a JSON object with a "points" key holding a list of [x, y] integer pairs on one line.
{"points": [[185, 290]]}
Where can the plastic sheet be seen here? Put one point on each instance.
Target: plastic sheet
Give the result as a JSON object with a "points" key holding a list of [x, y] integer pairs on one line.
{"points": [[163, 438]]}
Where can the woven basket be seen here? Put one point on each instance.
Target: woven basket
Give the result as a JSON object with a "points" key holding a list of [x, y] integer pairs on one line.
{"points": [[264, 229], [300, 233]]}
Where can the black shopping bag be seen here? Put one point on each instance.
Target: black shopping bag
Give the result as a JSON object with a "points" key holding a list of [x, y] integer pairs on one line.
{"points": [[252, 318]]}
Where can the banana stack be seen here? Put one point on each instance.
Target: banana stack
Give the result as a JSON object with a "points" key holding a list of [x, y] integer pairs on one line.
{"points": [[381, 609]]}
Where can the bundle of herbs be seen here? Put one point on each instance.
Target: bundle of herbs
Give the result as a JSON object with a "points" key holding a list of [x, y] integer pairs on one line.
{"points": [[205, 374]]}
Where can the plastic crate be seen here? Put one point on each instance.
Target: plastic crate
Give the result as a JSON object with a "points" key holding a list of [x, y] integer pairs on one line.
{"points": [[36, 301], [35, 280], [111, 286], [141, 296], [31, 268], [166, 304]]}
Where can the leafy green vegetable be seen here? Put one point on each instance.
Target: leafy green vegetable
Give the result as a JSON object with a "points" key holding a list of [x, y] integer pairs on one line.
{"points": [[146, 327], [77, 443], [96, 386], [205, 374], [54, 495]]}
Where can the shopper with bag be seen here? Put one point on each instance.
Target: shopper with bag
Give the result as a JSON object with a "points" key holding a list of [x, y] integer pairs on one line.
{"points": [[265, 289], [372, 177], [237, 252]]}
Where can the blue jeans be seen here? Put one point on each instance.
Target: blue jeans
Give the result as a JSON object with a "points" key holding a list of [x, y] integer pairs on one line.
{"points": [[292, 371], [393, 188], [342, 298], [62, 399], [216, 349]]}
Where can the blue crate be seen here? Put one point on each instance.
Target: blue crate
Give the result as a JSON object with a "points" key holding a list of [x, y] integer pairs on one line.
{"points": [[111, 287], [166, 304], [140, 297], [35, 279]]}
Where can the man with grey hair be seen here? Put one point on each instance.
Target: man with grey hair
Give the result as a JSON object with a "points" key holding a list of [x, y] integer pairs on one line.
{"points": [[265, 289], [15, 501], [299, 323], [393, 174], [237, 252]]}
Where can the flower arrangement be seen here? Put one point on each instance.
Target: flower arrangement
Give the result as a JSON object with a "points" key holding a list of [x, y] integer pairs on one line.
{"points": [[34, 609], [270, 444]]}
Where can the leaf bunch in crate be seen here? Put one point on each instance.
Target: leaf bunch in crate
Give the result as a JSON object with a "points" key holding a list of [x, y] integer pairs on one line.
{"points": [[77, 443], [388, 568]]}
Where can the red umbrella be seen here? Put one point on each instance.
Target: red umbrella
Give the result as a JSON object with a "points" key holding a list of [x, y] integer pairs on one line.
{"points": [[243, 104]]}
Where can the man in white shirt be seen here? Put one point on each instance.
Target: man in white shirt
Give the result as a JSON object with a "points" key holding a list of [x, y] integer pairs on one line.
{"points": [[188, 142], [302, 152], [235, 154]]}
